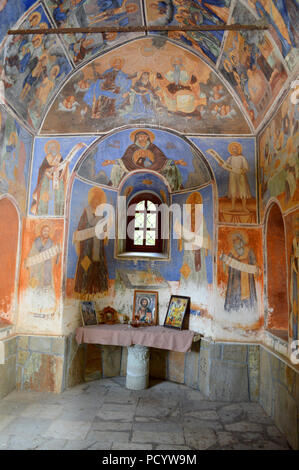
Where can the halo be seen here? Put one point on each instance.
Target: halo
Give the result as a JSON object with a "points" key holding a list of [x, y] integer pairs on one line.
{"points": [[35, 14], [233, 144], [39, 38], [146, 298], [142, 131], [130, 5], [227, 65], [47, 144], [40, 225], [55, 67], [112, 61], [232, 235], [97, 192]]}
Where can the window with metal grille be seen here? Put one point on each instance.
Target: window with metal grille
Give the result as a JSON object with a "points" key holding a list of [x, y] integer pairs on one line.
{"points": [[144, 224]]}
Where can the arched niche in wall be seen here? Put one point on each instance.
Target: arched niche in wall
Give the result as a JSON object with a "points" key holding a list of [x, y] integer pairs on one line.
{"points": [[277, 321], [125, 161], [9, 243]]}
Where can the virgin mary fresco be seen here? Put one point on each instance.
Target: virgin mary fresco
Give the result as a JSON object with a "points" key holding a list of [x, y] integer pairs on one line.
{"points": [[144, 154]]}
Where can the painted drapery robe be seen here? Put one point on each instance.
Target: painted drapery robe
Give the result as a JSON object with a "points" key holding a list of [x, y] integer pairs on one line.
{"points": [[241, 289], [91, 278], [40, 298], [144, 154]]}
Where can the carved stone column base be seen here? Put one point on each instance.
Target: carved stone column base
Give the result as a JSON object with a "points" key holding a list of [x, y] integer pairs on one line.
{"points": [[137, 367]]}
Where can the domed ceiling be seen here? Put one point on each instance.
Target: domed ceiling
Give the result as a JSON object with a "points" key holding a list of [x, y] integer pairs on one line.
{"points": [[227, 82]]}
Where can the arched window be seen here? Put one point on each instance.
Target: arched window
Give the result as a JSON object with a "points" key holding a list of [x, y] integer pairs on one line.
{"points": [[144, 224]]}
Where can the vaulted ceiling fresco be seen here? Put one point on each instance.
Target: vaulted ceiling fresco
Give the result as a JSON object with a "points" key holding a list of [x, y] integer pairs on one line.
{"points": [[146, 81], [246, 71]]}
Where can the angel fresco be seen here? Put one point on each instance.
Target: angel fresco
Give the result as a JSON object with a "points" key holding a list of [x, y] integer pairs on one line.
{"points": [[144, 154]]}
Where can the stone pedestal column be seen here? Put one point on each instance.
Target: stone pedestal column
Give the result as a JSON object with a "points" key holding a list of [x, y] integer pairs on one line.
{"points": [[137, 367]]}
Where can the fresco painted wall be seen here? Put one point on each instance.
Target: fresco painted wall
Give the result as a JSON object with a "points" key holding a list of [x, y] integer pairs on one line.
{"points": [[10, 12], [15, 154], [112, 281], [282, 16], [146, 149], [87, 13], [240, 281], [188, 13], [150, 81], [292, 231], [279, 158], [53, 161], [32, 68], [40, 276], [233, 162], [252, 64]]}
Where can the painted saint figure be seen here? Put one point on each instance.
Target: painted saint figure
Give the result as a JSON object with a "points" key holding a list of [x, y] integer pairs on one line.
{"points": [[241, 262], [196, 243], [144, 313], [52, 180], [237, 166], [294, 294], [143, 153], [40, 295], [107, 93], [91, 279]]}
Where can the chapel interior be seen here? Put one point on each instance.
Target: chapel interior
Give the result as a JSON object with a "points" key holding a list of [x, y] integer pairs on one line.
{"points": [[130, 118]]}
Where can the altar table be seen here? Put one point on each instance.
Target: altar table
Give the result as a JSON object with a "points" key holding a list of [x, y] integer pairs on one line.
{"points": [[138, 341]]}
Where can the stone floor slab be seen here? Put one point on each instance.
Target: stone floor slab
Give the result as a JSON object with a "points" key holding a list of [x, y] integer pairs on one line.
{"points": [[71, 430], [104, 415]]}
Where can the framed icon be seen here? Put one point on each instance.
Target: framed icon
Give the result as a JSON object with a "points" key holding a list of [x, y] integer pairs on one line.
{"points": [[145, 306], [178, 308], [88, 314]]}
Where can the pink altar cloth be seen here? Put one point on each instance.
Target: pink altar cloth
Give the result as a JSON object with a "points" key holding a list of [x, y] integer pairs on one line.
{"points": [[123, 335]]}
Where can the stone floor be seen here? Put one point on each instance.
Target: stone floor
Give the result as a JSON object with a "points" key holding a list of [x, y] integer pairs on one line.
{"points": [[105, 415]]}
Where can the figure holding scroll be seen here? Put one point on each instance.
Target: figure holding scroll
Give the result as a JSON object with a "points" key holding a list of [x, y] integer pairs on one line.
{"points": [[91, 277], [40, 296], [241, 262], [237, 165], [52, 180], [195, 241]]}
